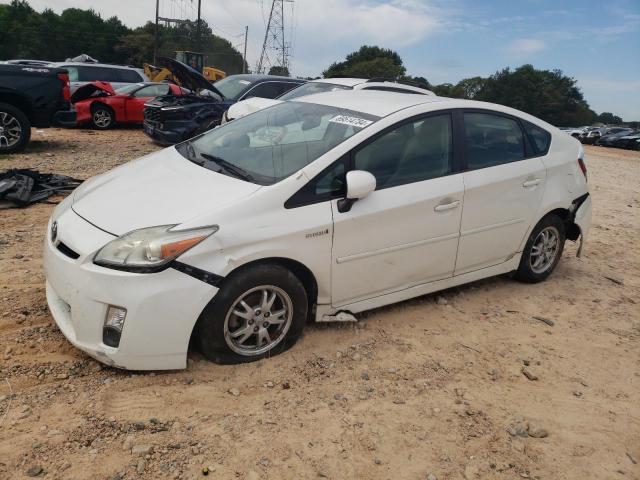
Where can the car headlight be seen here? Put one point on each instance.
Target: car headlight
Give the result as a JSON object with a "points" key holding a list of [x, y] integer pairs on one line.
{"points": [[150, 249]]}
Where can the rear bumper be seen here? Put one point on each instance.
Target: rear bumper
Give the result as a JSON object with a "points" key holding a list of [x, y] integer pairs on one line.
{"points": [[65, 118]]}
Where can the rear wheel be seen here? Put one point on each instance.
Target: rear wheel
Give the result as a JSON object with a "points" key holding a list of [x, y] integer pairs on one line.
{"points": [[543, 250], [259, 312], [102, 117], [15, 129]]}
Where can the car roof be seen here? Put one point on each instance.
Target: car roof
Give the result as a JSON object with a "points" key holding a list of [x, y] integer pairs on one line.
{"points": [[89, 64], [257, 77], [382, 104]]}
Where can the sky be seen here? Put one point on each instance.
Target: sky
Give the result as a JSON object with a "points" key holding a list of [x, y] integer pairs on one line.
{"points": [[596, 42]]}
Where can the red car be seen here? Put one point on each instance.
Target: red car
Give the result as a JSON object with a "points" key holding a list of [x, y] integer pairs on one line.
{"points": [[98, 104]]}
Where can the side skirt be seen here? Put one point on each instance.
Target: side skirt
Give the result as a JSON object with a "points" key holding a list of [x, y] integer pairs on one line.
{"points": [[325, 312]]}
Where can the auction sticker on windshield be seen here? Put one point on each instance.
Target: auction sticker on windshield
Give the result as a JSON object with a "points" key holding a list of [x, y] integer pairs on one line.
{"points": [[353, 121]]}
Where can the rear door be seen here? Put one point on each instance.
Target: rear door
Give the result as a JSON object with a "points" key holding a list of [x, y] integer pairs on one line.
{"points": [[504, 182], [406, 232]]}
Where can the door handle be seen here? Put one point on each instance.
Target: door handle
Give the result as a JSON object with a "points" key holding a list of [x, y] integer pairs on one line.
{"points": [[531, 183], [446, 206]]}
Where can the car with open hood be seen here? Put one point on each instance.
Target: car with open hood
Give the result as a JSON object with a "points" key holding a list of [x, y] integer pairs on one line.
{"points": [[253, 104], [169, 120], [101, 106]]}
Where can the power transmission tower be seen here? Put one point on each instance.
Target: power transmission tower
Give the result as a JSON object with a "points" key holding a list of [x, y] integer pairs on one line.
{"points": [[275, 50]]}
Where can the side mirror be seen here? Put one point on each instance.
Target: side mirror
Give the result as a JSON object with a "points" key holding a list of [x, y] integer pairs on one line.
{"points": [[359, 185]]}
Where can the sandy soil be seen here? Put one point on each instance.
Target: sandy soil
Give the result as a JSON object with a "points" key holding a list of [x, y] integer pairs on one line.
{"points": [[430, 388]]}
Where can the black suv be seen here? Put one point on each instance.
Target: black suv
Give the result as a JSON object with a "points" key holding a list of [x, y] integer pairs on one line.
{"points": [[172, 119]]}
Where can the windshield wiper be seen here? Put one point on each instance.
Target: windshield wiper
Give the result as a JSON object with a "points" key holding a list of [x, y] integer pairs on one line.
{"points": [[229, 167]]}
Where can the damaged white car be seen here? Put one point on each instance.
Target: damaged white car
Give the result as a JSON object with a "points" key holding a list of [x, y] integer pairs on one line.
{"points": [[318, 208]]}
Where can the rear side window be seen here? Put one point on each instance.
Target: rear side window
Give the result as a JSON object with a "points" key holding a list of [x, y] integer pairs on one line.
{"points": [[129, 76], [491, 140], [540, 138], [91, 74]]}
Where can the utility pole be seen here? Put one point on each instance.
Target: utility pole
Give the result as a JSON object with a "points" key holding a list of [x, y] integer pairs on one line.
{"points": [[155, 43], [244, 55], [274, 39], [198, 44]]}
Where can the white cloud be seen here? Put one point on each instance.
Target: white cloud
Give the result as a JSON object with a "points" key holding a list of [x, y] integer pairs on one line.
{"points": [[526, 46], [327, 30]]}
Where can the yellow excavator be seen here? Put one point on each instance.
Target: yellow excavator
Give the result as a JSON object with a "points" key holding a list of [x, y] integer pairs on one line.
{"points": [[193, 59]]}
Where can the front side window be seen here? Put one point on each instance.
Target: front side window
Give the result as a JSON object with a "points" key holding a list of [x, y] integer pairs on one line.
{"points": [[273, 143], [265, 90], [312, 88], [413, 152], [128, 76]]}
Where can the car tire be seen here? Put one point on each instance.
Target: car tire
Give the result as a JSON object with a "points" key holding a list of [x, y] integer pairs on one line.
{"points": [[227, 338], [543, 250], [15, 129], [102, 117]]}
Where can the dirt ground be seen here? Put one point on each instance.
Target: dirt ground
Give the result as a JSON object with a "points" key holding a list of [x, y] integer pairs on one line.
{"points": [[429, 388]]}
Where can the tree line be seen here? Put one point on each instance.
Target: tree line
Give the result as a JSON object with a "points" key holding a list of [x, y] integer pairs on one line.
{"points": [[546, 94], [26, 33]]}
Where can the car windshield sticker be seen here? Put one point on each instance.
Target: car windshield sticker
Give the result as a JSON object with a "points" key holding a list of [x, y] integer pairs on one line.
{"points": [[353, 121]]}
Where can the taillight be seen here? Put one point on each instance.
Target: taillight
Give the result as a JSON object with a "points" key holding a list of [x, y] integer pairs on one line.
{"points": [[66, 91], [583, 167]]}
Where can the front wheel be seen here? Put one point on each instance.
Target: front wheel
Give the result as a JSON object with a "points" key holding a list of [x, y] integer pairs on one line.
{"points": [[543, 250], [102, 118], [259, 311]]}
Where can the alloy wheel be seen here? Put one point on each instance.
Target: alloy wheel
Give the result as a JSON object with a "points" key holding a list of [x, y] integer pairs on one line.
{"points": [[102, 118], [258, 320], [10, 130], [544, 250]]}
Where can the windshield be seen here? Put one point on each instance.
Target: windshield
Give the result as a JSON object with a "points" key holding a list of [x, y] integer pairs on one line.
{"points": [[273, 143], [311, 88], [232, 87]]}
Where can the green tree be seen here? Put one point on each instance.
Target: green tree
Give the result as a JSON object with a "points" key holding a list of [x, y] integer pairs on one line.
{"points": [[547, 94], [278, 70], [368, 62], [609, 118]]}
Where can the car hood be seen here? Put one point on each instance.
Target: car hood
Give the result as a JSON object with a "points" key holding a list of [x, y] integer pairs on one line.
{"points": [[163, 188], [86, 91], [187, 76], [250, 105]]}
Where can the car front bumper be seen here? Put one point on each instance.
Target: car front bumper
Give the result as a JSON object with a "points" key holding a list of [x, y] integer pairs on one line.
{"points": [[170, 132], [162, 308]]}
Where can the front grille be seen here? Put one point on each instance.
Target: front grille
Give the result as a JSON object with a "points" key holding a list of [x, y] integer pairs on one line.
{"points": [[152, 115], [65, 250]]}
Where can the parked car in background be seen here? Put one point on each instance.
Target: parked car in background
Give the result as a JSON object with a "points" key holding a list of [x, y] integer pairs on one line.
{"points": [[171, 119], [321, 207], [31, 96], [574, 132], [627, 141], [250, 105], [81, 73], [607, 139], [590, 136], [102, 106]]}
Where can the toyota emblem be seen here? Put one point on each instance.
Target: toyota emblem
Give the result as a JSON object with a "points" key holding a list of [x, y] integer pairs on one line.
{"points": [[54, 231]]}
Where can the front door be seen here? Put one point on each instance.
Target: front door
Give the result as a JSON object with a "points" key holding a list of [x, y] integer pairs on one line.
{"points": [[503, 184], [406, 232]]}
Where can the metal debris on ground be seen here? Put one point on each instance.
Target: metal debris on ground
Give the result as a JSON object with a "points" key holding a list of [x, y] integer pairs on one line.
{"points": [[23, 187]]}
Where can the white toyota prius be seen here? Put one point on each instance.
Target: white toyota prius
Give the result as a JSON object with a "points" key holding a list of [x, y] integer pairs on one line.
{"points": [[317, 209]]}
